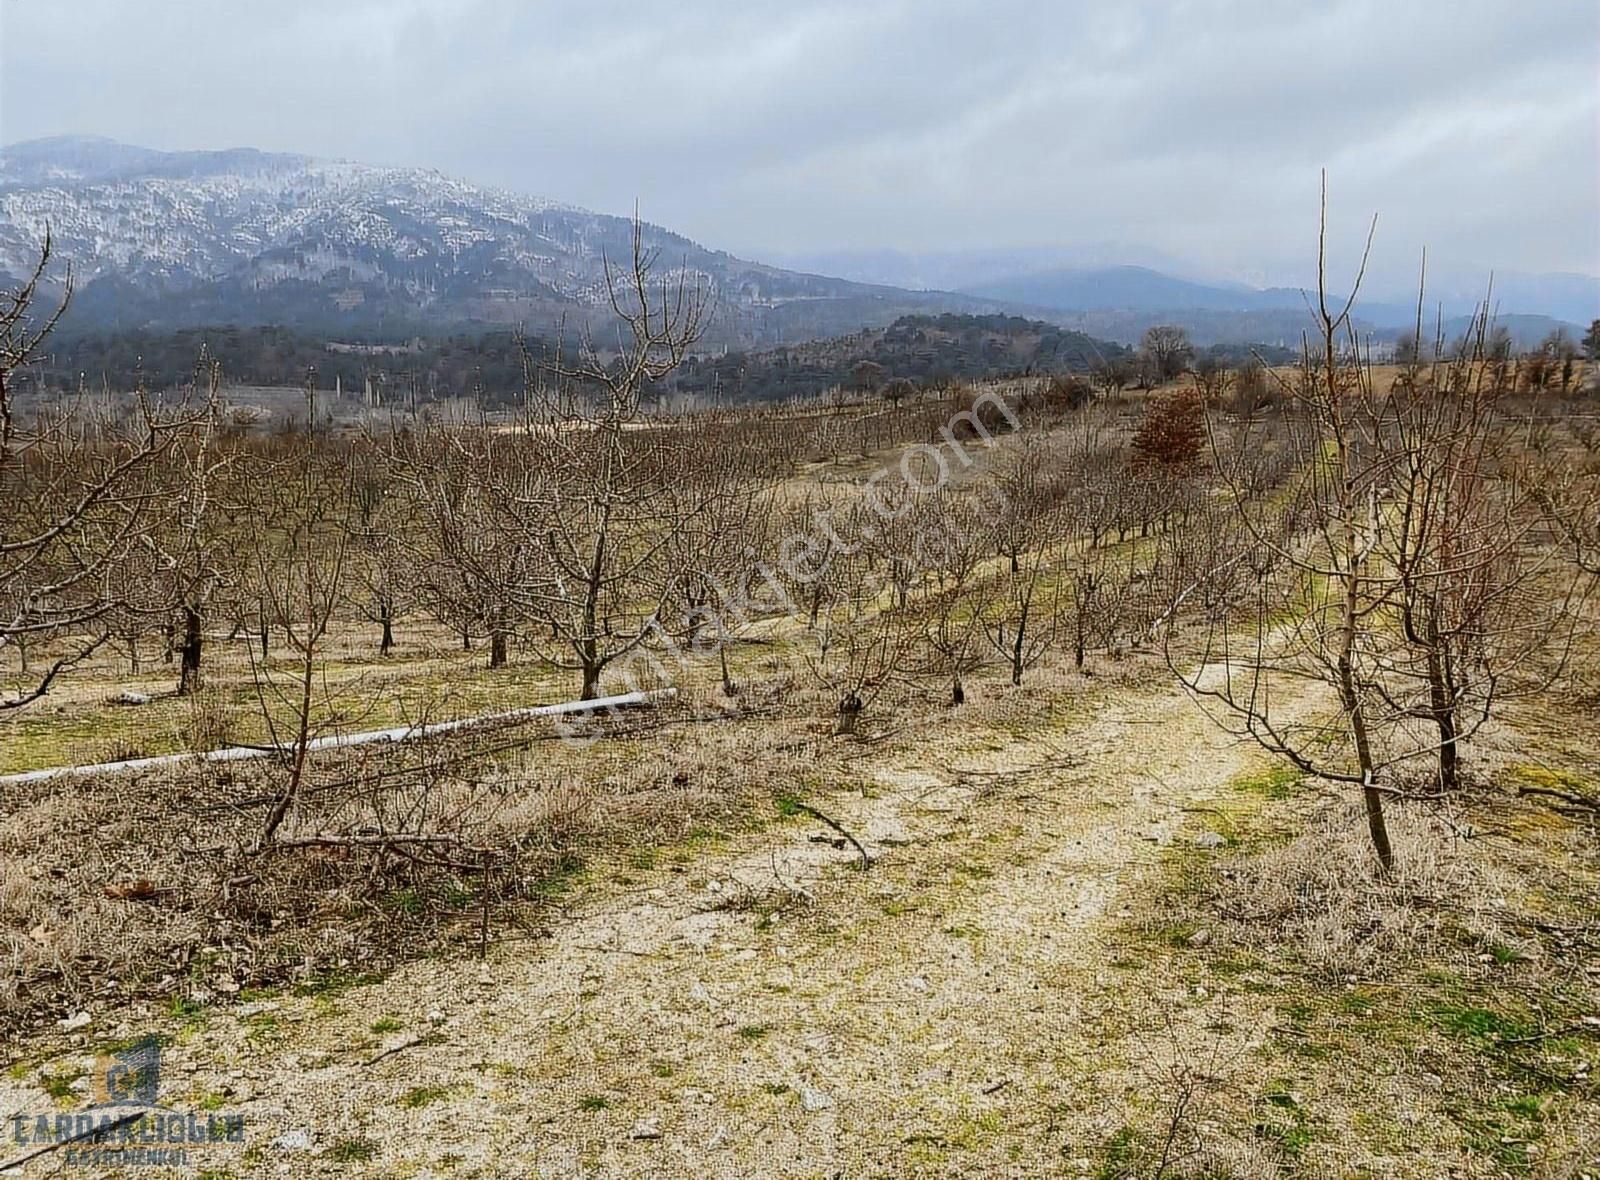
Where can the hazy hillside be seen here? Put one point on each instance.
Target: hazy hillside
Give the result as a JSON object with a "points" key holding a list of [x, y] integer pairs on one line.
{"points": [[930, 350], [1134, 288], [1119, 303], [1132, 276]]}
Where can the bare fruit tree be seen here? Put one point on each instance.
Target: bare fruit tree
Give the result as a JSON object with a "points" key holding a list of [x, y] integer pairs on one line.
{"points": [[1022, 608], [303, 509], [861, 637], [1399, 570], [81, 490], [619, 491], [1484, 610], [953, 544], [478, 501]]}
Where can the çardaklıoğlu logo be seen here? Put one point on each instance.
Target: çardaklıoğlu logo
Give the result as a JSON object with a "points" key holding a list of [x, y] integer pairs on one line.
{"points": [[123, 1125]]}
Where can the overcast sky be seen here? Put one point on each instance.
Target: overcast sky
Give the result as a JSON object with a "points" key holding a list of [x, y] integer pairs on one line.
{"points": [[1191, 128]]}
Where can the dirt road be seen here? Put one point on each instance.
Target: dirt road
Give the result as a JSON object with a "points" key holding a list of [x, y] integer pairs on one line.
{"points": [[767, 1008]]}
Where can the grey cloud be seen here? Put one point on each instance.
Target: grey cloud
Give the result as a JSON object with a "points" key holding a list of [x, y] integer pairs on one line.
{"points": [[1191, 127]]}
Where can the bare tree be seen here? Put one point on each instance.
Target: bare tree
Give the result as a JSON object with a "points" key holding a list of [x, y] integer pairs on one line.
{"points": [[861, 639], [305, 530], [1329, 585], [1168, 348], [1397, 573], [720, 555], [1022, 608], [953, 543], [80, 492], [1466, 544], [618, 493], [379, 559], [480, 500]]}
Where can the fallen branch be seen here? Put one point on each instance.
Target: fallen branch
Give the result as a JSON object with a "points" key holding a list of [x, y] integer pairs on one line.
{"points": [[427, 1038], [396, 842], [836, 826], [1581, 802]]}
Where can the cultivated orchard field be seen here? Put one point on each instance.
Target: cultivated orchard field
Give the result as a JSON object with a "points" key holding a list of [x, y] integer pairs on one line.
{"points": [[1043, 777]]}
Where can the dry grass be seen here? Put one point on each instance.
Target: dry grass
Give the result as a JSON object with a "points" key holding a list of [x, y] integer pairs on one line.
{"points": [[1324, 894], [112, 888], [1425, 1023]]}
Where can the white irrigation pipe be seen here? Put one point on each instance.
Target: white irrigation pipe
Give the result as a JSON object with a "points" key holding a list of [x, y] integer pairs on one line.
{"points": [[402, 733]]}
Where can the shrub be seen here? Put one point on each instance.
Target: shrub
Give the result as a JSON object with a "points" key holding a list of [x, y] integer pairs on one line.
{"points": [[1173, 431], [1066, 393]]}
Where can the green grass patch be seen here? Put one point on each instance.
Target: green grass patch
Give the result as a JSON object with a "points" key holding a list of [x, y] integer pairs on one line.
{"points": [[1549, 778], [561, 878], [59, 1085], [1275, 782], [333, 982], [1120, 1157], [352, 1151], [1283, 1121], [1483, 1025], [405, 901], [419, 1096]]}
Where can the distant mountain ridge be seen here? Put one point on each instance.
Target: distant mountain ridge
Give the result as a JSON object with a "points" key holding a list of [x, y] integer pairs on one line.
{"points": [[177, 239], [1118, 303], [1574, 298], [1130, 288], [172, 240]]}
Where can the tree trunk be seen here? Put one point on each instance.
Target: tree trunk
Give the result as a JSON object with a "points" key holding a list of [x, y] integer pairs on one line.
{"points": [[1377, 826], [497, 648], [958, 694], [849, 710], [1018, 647], [189, 665], [387, 641], [1444, 716], [591, 682], [1371, 796]]}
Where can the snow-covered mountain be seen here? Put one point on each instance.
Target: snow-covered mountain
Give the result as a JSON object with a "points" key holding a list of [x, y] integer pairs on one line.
{"points": [[170, 239]]}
